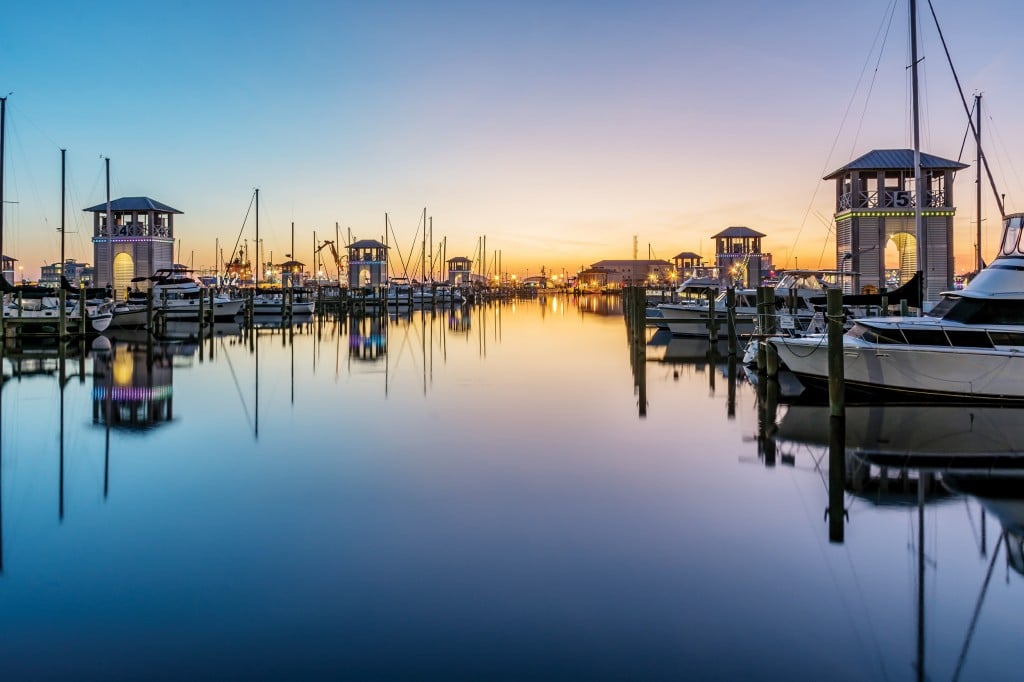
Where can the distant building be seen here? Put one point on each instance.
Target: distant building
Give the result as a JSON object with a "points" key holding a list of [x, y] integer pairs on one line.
{"points": [[7, 268], [620, 273], [459, 270], [739, 258], [75, 272], [367, 264]]}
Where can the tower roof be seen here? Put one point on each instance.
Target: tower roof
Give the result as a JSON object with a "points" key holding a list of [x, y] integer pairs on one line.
{"points": [[367, 244], [895, 159], [133, 204], [740, 232]]}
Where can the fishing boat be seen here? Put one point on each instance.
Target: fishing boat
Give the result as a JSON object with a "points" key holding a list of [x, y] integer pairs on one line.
{"points": [[970, 345]]}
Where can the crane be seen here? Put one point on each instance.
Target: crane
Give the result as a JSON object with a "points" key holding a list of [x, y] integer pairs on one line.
{"points": [[337, 258]]}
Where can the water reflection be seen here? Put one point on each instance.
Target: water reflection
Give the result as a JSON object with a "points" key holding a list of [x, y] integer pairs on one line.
{"points": [[912, 458]]}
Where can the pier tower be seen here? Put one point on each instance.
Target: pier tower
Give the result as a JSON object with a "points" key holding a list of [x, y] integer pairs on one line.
{"points": [[138, 240], [367, 264], [738, 256], [459, 270], [875, 200]]}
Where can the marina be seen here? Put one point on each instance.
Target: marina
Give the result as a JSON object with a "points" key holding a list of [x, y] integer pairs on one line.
{"points": [[263, 417]]}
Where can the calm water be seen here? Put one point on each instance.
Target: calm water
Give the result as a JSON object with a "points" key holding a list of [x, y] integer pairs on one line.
{"points": [[504, 493]]}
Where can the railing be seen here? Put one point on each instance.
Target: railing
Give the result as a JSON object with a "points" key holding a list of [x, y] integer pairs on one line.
{"points": [[890, 199]]}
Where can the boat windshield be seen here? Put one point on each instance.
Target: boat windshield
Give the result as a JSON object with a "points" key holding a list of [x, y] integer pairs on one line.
{"points": [[979, 311]]}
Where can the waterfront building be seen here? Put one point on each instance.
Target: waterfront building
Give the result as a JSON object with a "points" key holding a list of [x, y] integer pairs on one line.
{"points": [[137, 241], [460, 270], [367, 264], [7, 268], [75, 272], [739, 258], [620, 273], [875, 202]]}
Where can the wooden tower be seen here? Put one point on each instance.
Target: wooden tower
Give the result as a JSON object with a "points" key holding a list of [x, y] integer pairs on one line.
{"points": [[138, 242], [875, 205], [367, 264]]}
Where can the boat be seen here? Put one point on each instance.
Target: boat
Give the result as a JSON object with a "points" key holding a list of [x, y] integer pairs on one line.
{"points": [[176, 296], [795, 306], [301, 301], [970, 345], [38, 308]]}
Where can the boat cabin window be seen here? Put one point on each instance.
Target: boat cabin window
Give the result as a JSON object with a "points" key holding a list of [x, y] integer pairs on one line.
{"points": [[969, 338], [1011, 235], [977, 311], [926, 337], [890, 336], [1007, 338]]}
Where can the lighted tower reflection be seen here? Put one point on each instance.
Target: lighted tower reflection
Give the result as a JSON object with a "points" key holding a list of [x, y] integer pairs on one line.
{"points": [[133, 385]]}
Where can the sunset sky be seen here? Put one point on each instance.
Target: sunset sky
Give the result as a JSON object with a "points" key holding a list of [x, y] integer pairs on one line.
{"points": [[557, 129]]}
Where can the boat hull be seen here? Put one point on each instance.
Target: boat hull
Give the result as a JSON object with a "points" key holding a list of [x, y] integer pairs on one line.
{"points": [[908, 372]]}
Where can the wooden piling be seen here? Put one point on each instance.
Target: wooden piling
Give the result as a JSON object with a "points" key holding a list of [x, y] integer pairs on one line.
{"points": [[730, 320], [836, 378], [62, 316], [149, 311], [81, 310], [712, 319], [836, 479]]}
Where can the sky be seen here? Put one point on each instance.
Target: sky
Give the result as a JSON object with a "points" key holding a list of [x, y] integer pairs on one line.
{"points": [[560, 130]]}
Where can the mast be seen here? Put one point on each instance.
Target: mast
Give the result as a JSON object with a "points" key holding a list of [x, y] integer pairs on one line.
{"points": [[922, 236], [110, 231], [3, 124], [256, 279], [63, 155], [977, 141]]}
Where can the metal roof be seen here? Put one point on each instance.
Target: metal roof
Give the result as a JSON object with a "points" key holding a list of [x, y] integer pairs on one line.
{"points": [[686, 254], [896, 159], [367, 244], [133, 204], [738, 231]]}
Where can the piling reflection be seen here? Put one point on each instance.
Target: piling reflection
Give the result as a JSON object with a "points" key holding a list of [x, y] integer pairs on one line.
{"points": [[912, 457]]}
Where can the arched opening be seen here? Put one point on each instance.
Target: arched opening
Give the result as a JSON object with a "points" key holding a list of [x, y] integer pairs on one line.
{"points": [[364, 277], [124, 271], [900, 259]]}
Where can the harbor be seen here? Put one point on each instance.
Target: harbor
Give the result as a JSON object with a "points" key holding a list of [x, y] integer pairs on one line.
{"points": [[537, 341]]}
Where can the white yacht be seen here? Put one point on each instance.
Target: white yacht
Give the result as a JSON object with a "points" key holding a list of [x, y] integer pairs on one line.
{"points": [[176, 295], [793, 307], [970, 345], [302, 301]]}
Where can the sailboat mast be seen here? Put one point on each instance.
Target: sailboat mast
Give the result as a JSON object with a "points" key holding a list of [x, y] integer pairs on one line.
{"points": [[977, 141], [258, 265], [922, 235], [110, 232], [3, 124], [63, 166]]}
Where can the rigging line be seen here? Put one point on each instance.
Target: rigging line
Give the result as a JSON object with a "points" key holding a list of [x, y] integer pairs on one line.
{"points": [[241, 230], [963, 100], [977, 607], [994, 132], [401, 258], [224, 353], [835, 579], [963, 143], [874, 74], [846, 114]]}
